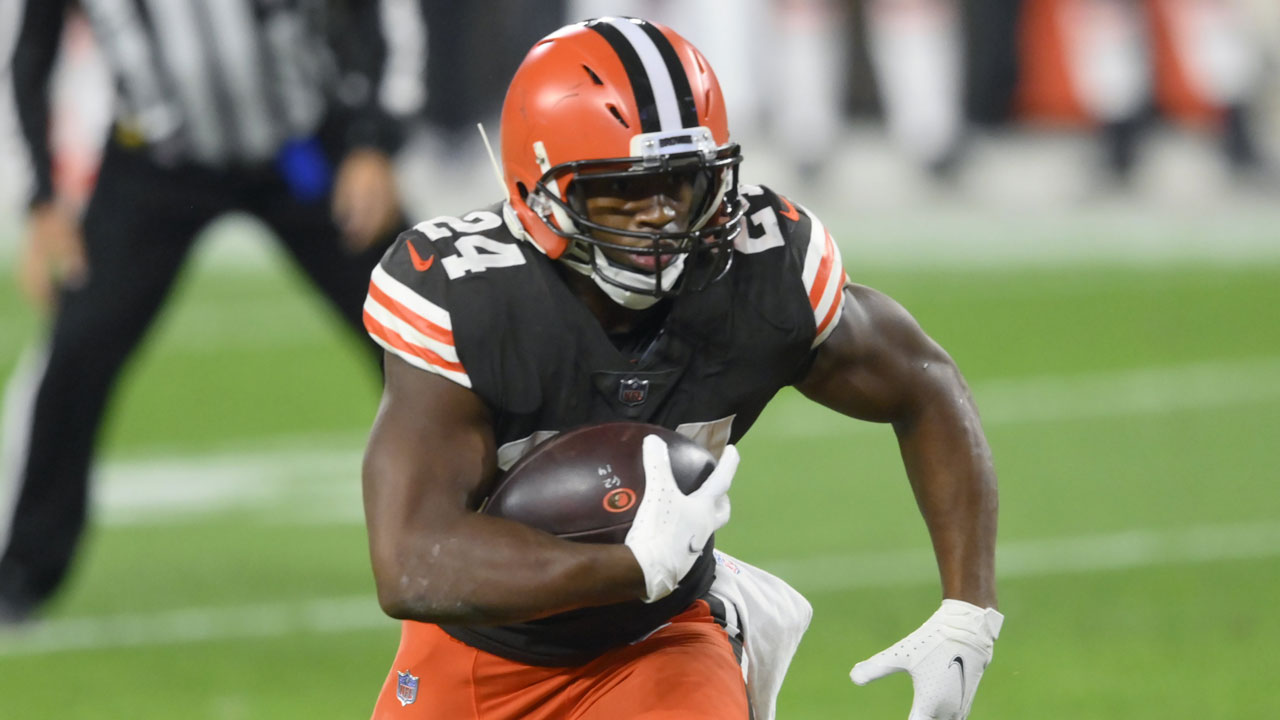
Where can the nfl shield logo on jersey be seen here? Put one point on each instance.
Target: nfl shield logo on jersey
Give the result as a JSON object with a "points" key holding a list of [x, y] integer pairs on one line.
{"points": [[633, 391], [406, 688]]}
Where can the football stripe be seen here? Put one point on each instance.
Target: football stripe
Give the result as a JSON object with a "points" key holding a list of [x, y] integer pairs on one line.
{"points": [[419, 357], [814, 250], [634, 67], [407, 332], [409, 317], [679, 80], [823, 276], [398, 341], [832, 297], [828, 322], [650, 76], [410, 299]]}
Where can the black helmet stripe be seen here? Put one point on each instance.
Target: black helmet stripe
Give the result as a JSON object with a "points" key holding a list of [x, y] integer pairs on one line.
{"points": [[663, 95], [631, 62], [679, 80]]}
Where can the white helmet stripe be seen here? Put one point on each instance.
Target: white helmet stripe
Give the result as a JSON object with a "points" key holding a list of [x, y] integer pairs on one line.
{"points": [[655, 67]]}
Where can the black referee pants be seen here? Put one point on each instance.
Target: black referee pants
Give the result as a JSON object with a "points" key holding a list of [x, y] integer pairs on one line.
{"points": [[139, 228]]}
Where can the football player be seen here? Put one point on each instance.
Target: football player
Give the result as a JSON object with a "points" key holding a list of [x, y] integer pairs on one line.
{"points": [[628, 275]]}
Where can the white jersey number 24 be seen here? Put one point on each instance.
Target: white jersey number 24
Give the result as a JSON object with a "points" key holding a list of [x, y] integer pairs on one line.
{"points": [[476, 253]]}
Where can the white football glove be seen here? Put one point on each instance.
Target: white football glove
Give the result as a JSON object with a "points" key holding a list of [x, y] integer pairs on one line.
{"points": [[945, 656], [671, 528]]}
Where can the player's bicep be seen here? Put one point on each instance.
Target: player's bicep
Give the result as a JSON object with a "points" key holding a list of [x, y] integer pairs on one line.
{"points": [[877, 364], [429, 458]]}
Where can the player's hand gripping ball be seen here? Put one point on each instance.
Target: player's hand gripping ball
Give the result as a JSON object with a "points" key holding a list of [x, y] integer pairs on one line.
{"points": [[658, 492]]}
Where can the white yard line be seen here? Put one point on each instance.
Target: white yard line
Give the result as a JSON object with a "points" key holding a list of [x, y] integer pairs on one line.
{"points": [[197, 624], [1031, 558], [1042, 558], [301, 477], [1142, 391], [1057, 398]]}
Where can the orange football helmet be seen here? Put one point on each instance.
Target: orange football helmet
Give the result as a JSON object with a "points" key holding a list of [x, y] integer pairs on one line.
{"points": [[621, 99]]}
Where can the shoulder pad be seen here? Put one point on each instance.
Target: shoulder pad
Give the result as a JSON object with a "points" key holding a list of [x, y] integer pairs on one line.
{"points": [[773, 221], [407, 310]]}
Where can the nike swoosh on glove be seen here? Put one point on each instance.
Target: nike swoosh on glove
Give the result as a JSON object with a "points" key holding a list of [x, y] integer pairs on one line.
{"points": [[945, 657], [670, 528]]}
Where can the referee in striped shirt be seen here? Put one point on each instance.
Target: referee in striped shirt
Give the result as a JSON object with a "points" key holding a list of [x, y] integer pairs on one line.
{"points": [[261, 106]]}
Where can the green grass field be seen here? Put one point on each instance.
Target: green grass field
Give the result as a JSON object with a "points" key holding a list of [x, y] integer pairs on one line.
{"points": [[1134, 412]]}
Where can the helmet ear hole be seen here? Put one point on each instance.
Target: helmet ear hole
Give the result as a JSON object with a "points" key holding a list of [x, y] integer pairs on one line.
{"points": [[524, 191]]}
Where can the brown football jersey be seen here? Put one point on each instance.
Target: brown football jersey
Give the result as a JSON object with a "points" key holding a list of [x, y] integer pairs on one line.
{"points": [[467, 299]]}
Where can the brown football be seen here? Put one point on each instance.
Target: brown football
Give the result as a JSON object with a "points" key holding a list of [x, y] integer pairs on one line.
{"points": [[585, 484]]}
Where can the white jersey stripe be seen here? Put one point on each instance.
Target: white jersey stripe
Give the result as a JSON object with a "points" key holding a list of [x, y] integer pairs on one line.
{"points": [[405, 295], [830, 292], [833, 290], [664, 92], [407, 332], [826, 332], [837, 287], [388, 336], [813, 254], [460, 378]]}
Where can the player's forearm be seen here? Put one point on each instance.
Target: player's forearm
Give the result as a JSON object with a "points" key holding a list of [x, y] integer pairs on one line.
{"points": [[949, 464], [482, 570]]}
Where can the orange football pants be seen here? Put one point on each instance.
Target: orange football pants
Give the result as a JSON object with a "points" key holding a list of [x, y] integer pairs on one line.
{"points": [[684, 670]]}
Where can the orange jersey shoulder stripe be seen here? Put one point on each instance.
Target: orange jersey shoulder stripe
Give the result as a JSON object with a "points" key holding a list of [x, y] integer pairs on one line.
{"points": [[390, 337], [834, 310], [824, 272], [409, 317]]}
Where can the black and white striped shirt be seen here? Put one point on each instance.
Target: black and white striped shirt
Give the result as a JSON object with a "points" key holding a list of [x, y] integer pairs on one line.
{"points": [[215, 82]]}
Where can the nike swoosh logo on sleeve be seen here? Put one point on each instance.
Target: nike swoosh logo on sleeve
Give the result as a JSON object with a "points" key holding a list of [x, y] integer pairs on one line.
{"points": [[790, 213], [418, 263]]}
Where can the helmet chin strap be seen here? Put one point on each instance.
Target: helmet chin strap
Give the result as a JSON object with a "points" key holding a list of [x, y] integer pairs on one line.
{"points": [[614, 279], [625, 298]]}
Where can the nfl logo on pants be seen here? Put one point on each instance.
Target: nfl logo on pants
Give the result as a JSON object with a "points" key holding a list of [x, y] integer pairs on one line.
{"points": [[406, 688]]}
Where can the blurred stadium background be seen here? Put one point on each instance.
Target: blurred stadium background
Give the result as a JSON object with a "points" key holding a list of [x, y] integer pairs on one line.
{"points": [[1117, 319]]}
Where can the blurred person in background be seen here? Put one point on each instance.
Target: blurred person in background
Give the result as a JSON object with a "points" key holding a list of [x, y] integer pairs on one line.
{"points": [[933, 69], [917, 54], [264, 107], [1208, 67], [472, 49], [941, 64], [1120, 63]]}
